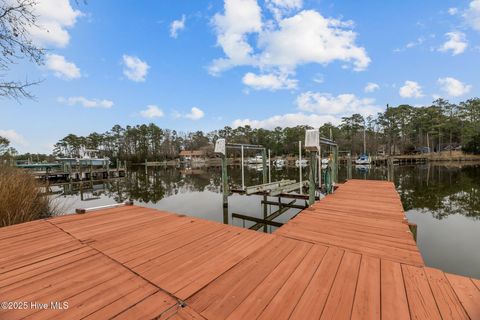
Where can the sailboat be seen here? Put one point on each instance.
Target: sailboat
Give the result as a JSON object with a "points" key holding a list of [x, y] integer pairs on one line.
{"points": [[363, 159]]}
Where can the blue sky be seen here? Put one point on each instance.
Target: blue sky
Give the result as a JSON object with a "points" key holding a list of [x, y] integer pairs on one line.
{"points": [[201, 65]]}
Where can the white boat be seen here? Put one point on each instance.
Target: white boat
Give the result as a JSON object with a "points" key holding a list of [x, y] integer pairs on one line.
{"points": [[302, 163], [363, 167], [363, 159], [255, 160], [89, 158], [279, 163], [325, 161]]}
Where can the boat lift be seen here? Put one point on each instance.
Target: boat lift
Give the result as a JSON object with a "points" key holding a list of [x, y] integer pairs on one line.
{"points": [[283, 188]]}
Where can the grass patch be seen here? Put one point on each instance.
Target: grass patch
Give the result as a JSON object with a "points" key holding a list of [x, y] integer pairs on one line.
{"points": [[21, 198]]}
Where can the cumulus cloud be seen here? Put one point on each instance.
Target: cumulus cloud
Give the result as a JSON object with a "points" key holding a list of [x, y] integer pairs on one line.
{"points": [[371, 87], [316, 109], [195, 114], [325, 103], [456, 43], [61, 67], [54, 18], [86, 103], [176, 26], [453, 87], [472, 15], [288, 120], [411, 89], [240, 18], [283, 44], [14, 137], [151, 112], [134, 68], [270, 82]]}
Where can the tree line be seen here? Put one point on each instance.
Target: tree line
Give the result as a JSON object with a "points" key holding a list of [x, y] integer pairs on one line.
{"points": [[402, 129]]}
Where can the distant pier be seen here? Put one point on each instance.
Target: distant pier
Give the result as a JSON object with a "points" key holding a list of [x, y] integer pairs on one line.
{"points": [[79, 172]]}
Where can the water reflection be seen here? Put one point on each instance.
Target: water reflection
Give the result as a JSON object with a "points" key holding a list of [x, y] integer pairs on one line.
{"points": [[443, 199], [439, 190]]}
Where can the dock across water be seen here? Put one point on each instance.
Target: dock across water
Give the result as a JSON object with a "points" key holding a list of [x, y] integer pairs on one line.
{"points": [[349, 256]]}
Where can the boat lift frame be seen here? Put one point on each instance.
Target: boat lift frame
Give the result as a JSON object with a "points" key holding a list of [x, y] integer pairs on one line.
{"points": [[279, 188]]}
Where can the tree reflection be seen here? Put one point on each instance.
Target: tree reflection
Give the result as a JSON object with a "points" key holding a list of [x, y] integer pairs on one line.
{"points": [[441, 190]]}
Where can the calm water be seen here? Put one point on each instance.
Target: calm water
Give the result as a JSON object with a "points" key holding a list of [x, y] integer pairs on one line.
{"points": [[442, 199]]}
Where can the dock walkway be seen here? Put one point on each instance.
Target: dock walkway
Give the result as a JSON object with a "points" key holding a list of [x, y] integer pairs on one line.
{"points": [[139, 263]]}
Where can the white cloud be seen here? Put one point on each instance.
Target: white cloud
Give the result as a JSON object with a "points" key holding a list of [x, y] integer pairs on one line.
{"points": [[308, 37], [452, 11], [456, 42], [283, 44], [86, 103], [288, 120], [270, 82], [453, 87], [176, 26], [316, 109], [325, 103], [240, 18], [152, 111], [195, 114], [371, 87], [472, 15], [54, 18], [61, 67], [134, 68], [14, 137], [411, 89], [280, 8]]}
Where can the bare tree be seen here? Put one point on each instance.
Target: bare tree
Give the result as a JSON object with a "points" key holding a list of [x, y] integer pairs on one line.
{"points": [[17, 18]]}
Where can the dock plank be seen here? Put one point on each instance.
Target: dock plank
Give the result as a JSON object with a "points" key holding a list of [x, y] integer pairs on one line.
{"points": [[468, 294], [447, 301], [420, 297], [349, 256], [367, 296], [340, 300]]}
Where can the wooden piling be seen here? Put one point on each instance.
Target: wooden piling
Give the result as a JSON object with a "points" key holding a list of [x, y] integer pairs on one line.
{"points": [[311, 186]]}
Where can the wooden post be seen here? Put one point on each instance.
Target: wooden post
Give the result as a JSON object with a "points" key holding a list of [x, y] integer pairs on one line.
{"points": [[265, 212], [243, 170], [300, 165], [225, 181], [80, 173], [349, 166], [413, 229], [320, 167], [335, 166], [264, 161], [269, 167], [311, 186]]}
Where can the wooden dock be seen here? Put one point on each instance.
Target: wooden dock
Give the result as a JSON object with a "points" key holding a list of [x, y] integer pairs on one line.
{"points": [[350, 256]]}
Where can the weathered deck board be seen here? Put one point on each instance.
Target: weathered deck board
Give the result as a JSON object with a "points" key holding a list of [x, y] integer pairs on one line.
{"points": [[350, 256]]}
